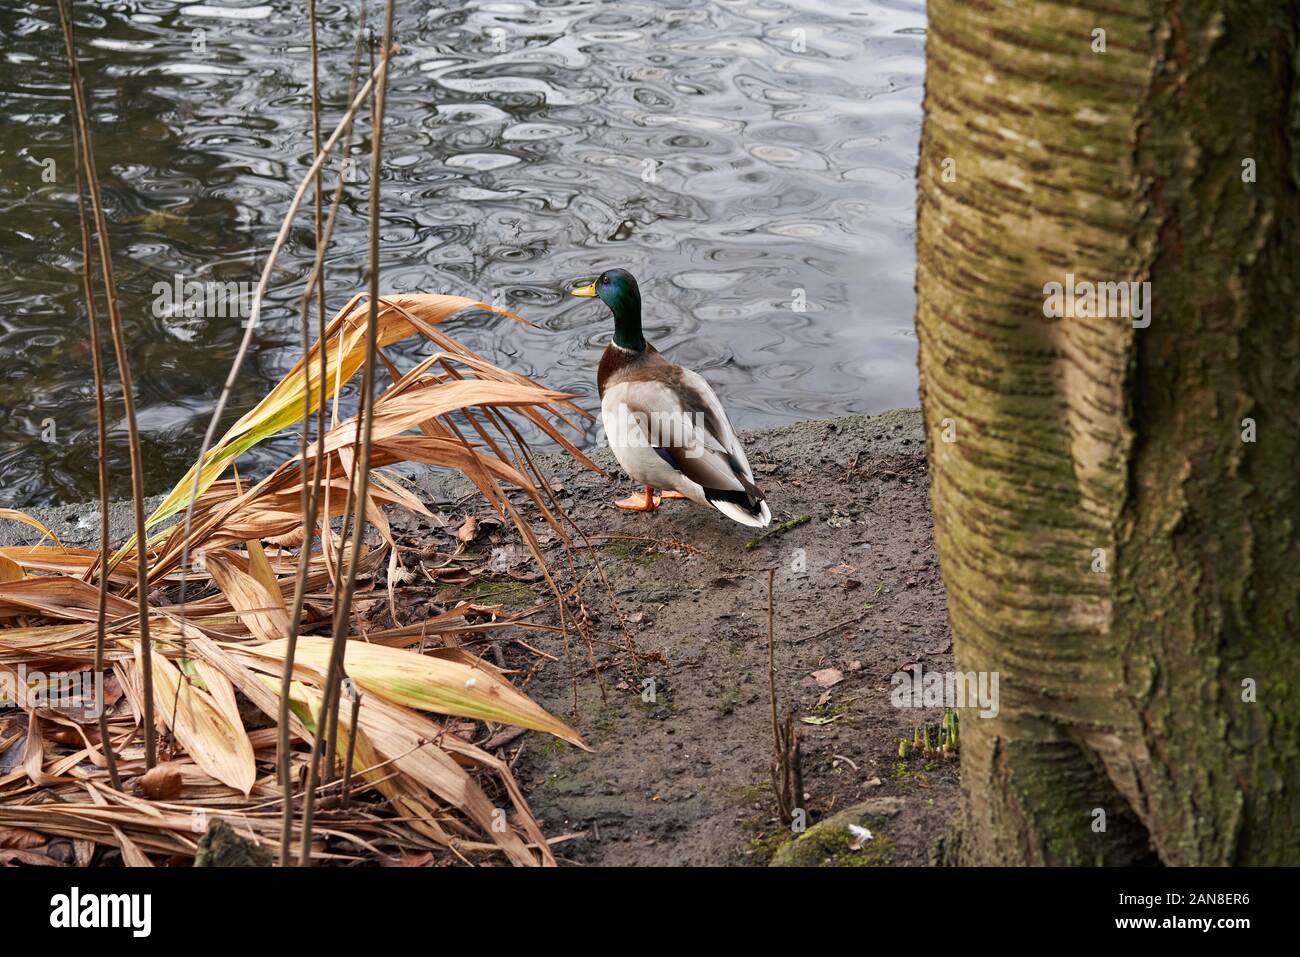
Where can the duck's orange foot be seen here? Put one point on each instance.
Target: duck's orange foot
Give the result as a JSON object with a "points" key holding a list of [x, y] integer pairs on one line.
{"points": [[640, 503], [665, 496]]}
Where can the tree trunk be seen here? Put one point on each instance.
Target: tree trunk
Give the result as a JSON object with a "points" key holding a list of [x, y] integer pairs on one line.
{"points": [[1117, 503]]}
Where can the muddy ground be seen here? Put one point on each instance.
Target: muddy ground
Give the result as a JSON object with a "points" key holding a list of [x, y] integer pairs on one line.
{"points": [[680, 772], [685, 778]]}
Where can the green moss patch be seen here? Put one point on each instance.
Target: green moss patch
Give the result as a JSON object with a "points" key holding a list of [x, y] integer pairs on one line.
{"points": [[828, 843]]}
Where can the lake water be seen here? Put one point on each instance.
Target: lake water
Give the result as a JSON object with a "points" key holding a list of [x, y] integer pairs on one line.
{"points": [[752, 162]]}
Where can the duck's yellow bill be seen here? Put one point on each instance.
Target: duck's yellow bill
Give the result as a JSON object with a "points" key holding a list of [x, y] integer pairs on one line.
{"points": [[586, 292]]}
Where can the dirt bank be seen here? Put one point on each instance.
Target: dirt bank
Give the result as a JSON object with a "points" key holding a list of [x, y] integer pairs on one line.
{"points": [[682, 776]]}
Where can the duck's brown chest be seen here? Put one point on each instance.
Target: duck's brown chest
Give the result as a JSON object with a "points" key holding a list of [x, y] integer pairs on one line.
{"points": [[616, 361]]}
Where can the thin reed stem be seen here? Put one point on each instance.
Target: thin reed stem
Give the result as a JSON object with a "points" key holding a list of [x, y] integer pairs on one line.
{"points": [[128, 387], [312, 497], [101, 424], [343, 610], [254, 314]]}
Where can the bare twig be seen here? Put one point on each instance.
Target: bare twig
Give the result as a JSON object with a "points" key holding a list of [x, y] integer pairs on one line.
{"points": [[353, 725], [312, 495], [101, 423], [839, 624], [787, 775], [781, 529], [343, 609], [254, 314], [771, 652], [128, 389]]}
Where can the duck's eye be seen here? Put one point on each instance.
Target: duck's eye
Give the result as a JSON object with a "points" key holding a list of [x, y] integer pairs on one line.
{"points": [[604, 280]]}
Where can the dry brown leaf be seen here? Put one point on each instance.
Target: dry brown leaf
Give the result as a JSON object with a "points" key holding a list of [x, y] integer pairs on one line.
{"points": [[263, 613], [59, 597], [825, 678], [10, 570], [64, 561], [344, 342], [20, 838], [161, 783], [425, 682], [10, 855], [14, 515], [217, 745], [260, 568], [468, 531]]}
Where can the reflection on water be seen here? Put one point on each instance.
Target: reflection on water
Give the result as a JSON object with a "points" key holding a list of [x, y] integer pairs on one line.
{"points": [[736, 155]]}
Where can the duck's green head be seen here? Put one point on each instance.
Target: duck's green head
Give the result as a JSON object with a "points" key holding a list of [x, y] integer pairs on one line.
{"points": [[617, 289]]}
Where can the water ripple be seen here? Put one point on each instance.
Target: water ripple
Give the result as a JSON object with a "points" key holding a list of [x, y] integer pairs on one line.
{"points": [[750, 161]]}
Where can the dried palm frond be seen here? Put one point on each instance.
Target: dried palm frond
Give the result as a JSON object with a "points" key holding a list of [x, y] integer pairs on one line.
{"points": [[194, 626], [227, 641]]}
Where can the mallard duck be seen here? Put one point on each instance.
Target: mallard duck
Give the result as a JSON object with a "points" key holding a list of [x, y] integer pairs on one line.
{"points": [[665, 425]]}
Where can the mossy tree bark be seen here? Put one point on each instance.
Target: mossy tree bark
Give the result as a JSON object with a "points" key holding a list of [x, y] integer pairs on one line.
{"points": [[1112, 542]]}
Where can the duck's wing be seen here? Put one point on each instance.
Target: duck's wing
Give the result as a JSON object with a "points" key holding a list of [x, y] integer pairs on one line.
{"points": [[702, 399], [688, 429]]}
